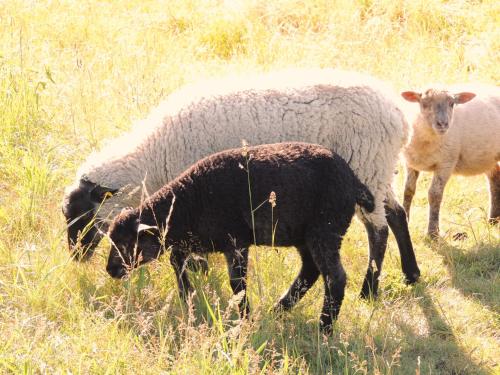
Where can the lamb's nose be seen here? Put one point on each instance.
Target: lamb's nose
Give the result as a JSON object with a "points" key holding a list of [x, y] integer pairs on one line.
{"points": [[116, 271], [442, 124]]}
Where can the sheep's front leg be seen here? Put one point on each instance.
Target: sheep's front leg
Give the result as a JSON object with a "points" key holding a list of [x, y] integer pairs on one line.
{"points": [[178, 261], [494, 180], [410, 188], [435, 196], [306, 278], [237, 264]]}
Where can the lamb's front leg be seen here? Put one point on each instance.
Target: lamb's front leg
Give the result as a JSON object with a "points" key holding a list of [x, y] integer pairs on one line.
{"points": [[237, 265], [178, 261], [410, 188], [435, 196]]}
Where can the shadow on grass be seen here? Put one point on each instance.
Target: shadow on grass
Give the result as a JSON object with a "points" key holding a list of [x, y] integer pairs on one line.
{"points": [[439, 349], [475, 271]]}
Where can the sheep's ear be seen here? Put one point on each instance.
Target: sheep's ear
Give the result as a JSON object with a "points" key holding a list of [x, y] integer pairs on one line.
{"points": [[411, 96], [463, 97], [98, 193]]}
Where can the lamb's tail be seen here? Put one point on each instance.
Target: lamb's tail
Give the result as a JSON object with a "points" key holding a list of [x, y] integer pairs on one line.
{"points": [[364, 198]]}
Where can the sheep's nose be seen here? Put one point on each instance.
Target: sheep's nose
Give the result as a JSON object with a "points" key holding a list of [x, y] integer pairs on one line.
{"points": [[442, 124]]}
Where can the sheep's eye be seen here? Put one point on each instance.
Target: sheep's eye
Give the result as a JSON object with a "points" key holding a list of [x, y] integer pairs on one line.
{"points": [[451, 104]]}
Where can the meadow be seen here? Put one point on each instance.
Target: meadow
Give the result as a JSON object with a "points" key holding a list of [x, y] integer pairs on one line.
{"points": [[75, 73]]}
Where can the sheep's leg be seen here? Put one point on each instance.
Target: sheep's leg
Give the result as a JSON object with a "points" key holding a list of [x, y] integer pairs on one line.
{"points": [[324, 244], [377, 242], [237, 264], [494, 180], [410, 188], [306, 278], [435, 196], [178, 261], [396, 217]]}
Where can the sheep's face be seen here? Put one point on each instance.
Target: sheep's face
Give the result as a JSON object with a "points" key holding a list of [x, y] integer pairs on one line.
{"points": [[436, 106], [79, 208], [132, 244]]}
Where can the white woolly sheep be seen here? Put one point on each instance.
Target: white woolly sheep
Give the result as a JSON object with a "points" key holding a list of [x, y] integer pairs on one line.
{"points": [[448, 140], [346, 112], [206, 209]]}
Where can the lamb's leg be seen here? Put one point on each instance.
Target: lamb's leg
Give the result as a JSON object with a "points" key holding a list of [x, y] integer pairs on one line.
{"points": [[325, 249], [377, 242], [494, 180], [237, 264], [435, 196], [178, 261], [306, 278], [396, 217], [410, 188]]}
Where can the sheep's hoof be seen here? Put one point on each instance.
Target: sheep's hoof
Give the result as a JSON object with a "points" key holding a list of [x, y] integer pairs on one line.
{"points": [[494, 220], [433, 235], [366, 293], [460, 236]]}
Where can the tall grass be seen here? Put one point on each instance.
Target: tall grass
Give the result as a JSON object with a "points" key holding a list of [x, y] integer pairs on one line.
{"points": [[74, 73]]}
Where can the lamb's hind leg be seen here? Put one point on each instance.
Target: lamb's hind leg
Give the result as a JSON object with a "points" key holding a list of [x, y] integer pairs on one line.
{"points": [[494, 180], [324, 244], [237, 265], [306, 278]]}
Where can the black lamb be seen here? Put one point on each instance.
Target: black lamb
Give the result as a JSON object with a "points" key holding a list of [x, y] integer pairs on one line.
{"points": [[207, 209]]}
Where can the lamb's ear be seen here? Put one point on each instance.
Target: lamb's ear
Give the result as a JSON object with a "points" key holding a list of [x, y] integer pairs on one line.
{"points": [[144, 227], [98, 193], [411, 96], [463, 97]]}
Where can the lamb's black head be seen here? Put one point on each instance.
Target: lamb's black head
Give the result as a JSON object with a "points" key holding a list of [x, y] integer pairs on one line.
{"points": [[132, 243], [79, 207]]}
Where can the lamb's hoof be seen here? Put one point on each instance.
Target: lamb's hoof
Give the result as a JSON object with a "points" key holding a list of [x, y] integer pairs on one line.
{"points": [[460, 236], [412, 278]]}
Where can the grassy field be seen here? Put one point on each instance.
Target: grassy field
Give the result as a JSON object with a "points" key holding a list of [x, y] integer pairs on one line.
{"points": [[73, 73]]}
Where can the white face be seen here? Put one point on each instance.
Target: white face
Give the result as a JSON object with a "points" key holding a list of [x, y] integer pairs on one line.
{"points": [[436, 106]]}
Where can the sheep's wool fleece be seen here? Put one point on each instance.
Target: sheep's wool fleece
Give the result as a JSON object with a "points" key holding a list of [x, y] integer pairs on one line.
{"points": [[352, 114]]}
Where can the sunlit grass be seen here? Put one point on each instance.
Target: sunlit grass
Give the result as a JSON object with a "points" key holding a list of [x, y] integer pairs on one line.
{"points": [[74, 73]]}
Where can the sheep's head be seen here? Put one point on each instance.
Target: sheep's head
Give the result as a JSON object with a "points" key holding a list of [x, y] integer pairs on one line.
{"points": [[132, 243], [436, 106], [79, 207]]}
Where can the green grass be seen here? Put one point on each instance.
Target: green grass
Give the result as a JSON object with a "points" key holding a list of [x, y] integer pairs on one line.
{"points": [[75, 73]]}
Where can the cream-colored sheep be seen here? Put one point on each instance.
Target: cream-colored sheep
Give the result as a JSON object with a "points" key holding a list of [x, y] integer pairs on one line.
{"points": [[455, 132]]}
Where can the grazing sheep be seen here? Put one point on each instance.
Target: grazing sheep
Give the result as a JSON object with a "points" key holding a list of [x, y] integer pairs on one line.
{"points": [[207, 209], [345, 112], [454, 133]]}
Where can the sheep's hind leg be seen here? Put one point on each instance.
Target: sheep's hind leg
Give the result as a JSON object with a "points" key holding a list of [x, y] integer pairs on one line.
{"points": [[306, 278], [494, 180], [377, 243], [237, 265], [397, 219]]}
